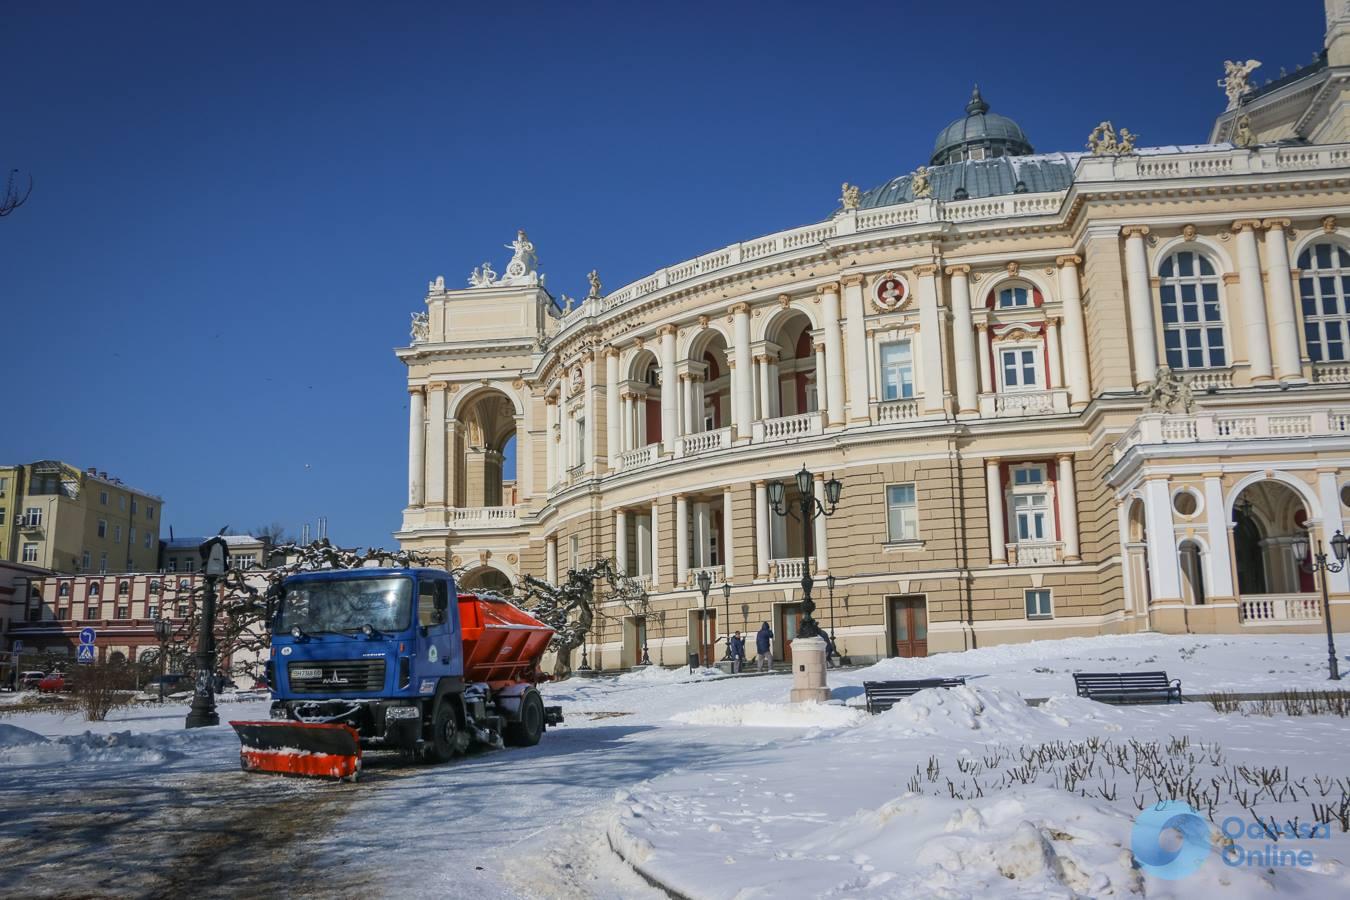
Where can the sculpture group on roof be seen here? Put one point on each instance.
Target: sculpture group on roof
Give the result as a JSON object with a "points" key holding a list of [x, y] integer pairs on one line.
{"points": [[1104, 142], [1235, 79]]}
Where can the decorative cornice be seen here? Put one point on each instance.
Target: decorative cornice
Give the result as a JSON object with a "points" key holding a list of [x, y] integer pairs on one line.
{"points": [[1138, 231], [1069, 260]]}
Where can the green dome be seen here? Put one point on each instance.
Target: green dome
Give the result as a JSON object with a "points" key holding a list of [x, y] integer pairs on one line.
{"points": [[979, 134]]}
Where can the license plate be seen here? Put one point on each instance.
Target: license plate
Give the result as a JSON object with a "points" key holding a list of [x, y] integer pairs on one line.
{"points": [[306, 673]]}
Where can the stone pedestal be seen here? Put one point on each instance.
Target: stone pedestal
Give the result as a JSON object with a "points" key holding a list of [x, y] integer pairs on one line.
{"points": [[808, 671]]}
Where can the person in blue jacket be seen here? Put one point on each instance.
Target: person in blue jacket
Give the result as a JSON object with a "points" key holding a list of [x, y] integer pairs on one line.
{"points": [[763, 646], [736, 644]]}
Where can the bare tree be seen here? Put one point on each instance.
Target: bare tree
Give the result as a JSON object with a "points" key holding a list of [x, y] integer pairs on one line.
{"points": [[570, 608], [14, 197]]}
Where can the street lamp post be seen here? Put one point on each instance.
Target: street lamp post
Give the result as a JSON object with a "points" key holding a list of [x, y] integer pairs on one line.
{"points": [[808, 510], [726, 608], [704, 583], [829, 583], [203, 711], [163, 631], [1320, 563]]}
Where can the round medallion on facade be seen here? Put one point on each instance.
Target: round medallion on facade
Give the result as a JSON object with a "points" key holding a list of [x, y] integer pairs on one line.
{"points": [[891, 292]]}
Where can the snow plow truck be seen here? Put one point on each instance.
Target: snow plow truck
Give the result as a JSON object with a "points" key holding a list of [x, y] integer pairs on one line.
{"points": [[381, 659]]}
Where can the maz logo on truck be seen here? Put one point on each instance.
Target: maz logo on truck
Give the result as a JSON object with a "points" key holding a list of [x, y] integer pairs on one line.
{"points": [[335, 678]]}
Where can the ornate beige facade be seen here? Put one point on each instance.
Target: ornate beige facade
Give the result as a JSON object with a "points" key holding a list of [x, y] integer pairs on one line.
{"points": [[1066, 394]]}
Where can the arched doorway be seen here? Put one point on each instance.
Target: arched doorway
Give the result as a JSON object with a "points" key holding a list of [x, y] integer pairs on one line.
{"points": [[1192, 560], [642, 402], [708, 401], [484, 451], [1136, 554], [792, 378], [485, 578], [1266, 517]]}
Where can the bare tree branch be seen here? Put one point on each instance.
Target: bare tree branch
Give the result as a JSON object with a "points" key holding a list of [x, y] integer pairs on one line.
{"points": [[13, 197]]}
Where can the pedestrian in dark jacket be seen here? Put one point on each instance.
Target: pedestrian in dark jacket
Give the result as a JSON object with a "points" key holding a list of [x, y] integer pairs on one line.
{"points": [[737, 646], [763, 644]]}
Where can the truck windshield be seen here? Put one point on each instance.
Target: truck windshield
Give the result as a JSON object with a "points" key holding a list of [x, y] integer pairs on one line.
{"points": [[384, 604]]}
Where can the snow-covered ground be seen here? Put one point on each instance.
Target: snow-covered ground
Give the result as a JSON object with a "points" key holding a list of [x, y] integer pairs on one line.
{"points": [[715, 786]]}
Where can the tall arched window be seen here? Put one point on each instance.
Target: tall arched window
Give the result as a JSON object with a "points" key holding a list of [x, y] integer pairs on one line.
{"points": [[1324, 287], [1192, 316]]}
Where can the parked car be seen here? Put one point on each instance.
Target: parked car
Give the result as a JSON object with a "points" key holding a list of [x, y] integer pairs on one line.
{"points": [[53, 683], [29, 680], [173, 683]]}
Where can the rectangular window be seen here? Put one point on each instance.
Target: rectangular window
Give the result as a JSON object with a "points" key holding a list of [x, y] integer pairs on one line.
{"points": [[1014, 297], [4, 486], [574, 551], [84, 561], [133, 506], [103, 498], [188, 564], [34, 516], [103, 563], [131, 536], [91, 612], [30, 552], [152, 612], [897, 371], [122, 502], [173, 564], [117, 534], [149, 510], [147, 539], [902, 513], [123, 612], [63, 613], [2, 515], [102, 528], [1029, 511], [1038, 605], [1020, 368], [182, 610]]}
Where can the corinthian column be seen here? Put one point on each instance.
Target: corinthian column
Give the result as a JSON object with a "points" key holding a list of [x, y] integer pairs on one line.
{"points": [[1253, 300], [681, 541], [930, 343], [963, 342], [1284, 327], [822, 535], [436, 446], [1142, 337], [834, 351], [993, 485], [855, 362], [1075, 331], [417, 428], [613, 419], [742, 373], [1068, 506], [761, 530], [670, 389]]}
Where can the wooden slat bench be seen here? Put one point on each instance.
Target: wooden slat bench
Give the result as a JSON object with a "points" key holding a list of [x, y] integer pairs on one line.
{"points": [[1128, 687], [882, 695]]}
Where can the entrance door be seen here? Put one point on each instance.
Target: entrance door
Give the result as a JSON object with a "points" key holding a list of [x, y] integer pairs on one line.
{"points": [[909, 626], [789, 620], [704, 635]]}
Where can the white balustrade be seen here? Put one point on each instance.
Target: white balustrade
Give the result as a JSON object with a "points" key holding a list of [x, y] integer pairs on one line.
{"points": [[789, 569], [1331, 373], [705, 441], [1037, 553], [642, 456], [1024, 403], [1270, 609], [892, 411], [1210, 379], [483, 517], [714, 572], [1174, 428], [786, 428]]}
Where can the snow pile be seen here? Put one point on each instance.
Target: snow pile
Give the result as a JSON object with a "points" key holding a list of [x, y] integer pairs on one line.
{"points": [[656, 675], [957, 711], [775, 715], [21, 747]]}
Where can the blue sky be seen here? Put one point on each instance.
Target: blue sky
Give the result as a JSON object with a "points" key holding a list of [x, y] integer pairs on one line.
{"points": [[238, 205]]}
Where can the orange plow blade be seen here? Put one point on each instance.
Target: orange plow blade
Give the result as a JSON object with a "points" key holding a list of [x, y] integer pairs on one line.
{"points": [[299, 748]]}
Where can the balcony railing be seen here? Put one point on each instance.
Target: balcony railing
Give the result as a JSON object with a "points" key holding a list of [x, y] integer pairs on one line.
{"points": [[1209, 379], [705, 442], [1331, 373], [892, 411], [716, 573], [786, 428], [1024, 403], [1039, 553], [788, 569], [642, 456], [1157, 428], [483, 517], [1271, 609]]}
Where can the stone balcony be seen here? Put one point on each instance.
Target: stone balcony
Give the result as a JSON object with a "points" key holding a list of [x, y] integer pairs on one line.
{"points": [[466, 518], [1035, 553], [787, 428], [1011, 404], [1276, 609], [1200, 427]]}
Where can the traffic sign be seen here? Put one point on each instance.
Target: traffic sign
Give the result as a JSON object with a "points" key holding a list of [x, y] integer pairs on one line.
{"points": [[84, 653], [87, 635], [16, 648]]}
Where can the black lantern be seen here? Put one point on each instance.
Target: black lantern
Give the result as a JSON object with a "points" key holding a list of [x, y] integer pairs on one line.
{"points": [[808, 509], [1320, 563], [726, 609], [776, 493]]}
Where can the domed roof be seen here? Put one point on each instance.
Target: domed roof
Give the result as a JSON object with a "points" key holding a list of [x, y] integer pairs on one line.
{"points": [[999, 135]]}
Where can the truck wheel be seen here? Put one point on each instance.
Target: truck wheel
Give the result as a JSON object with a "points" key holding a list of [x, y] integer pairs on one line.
{"points": [[530, 728], [440, 746]]}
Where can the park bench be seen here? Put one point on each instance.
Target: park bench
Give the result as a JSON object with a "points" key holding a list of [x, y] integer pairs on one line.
{"points": [[882, 695], [1128, 687]]}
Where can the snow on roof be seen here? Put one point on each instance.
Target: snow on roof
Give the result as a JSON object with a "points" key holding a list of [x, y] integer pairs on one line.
{"points": [[192, 543]]}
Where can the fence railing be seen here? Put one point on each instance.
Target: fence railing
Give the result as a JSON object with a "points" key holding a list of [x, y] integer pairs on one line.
{"points": [[1273, 608], [788, 427], [1040, 553], [1172, 428]]}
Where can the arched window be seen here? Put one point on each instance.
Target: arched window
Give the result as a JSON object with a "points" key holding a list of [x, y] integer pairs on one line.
{"points": [[154, 586], [1324, 287], [93, 589], [1192, 318], [123, 588], [1015, 296], [64, 589]]}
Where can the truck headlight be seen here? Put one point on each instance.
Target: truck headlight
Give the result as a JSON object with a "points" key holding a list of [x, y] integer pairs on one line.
{"points": [[402, 712]]}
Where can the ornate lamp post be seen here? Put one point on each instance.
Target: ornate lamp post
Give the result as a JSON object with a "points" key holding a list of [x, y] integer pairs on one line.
{"points": [[1320, 563], [704, 583], [808, 510], [203, 711], [726, 608], [163, 631], [829, 583]]}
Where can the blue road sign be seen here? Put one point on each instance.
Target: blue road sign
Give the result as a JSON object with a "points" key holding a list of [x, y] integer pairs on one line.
{"points": [[87, 635], [16, 648], [84, 653]]}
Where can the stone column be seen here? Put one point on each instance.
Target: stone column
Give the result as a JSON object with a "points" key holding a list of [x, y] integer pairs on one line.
{"points": [[628, 413], [1283, 322], [1253, 300], [1075, 331], [1163, 567], [436, 445], [551, 560], [681, 541], [728, 538], [986, 376], [993, 485], [524, 452], [963, 342], [621, 541], [588, 410], [822, 544], [1056, 373], [822, 396], [761, 530], [686, 407], [613, 418], [655, 528], [564, 426], [1067, 490], [454, 464], [855, 328], [1332, 521], [551, 440], [1219, 578], [1142, 335], [929, 349], [742, 376], [757, 391], [643, 541], [417, 450], [702, 534], [670, 389], [834, 352]]}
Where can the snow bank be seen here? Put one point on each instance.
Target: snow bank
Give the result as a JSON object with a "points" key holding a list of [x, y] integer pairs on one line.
{"points": [[775, 715], [654, 675], [957, 711], [21, 747]]}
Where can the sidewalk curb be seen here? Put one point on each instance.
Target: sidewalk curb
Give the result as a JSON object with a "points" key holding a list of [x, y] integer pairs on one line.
{"points": [[643, 873]]}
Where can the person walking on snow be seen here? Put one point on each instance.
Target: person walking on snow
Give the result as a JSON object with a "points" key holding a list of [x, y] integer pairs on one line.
{"points": [[737, 649], [763, 644]]}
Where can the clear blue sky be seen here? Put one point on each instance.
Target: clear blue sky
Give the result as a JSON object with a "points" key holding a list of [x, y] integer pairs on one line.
{"points": [[238, 205]]}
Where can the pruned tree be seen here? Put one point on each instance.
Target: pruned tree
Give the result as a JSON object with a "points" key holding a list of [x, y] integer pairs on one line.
{"points": [[571, 607], [15, 195]]}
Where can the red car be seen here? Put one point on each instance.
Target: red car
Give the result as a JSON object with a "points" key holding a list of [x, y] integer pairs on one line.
{"points": [[52, 684]]}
